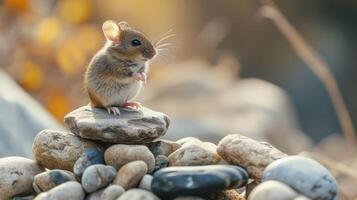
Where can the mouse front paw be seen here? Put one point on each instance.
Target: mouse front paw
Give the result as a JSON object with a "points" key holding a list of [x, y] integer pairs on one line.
{"points": [[140, 76]]}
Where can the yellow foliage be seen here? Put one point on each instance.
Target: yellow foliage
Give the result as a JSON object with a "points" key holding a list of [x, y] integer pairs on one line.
{"points": [[58, 104], [70, 57], [32, 76], [74, 11], [89, 38], [18, 6], [47, 30]]}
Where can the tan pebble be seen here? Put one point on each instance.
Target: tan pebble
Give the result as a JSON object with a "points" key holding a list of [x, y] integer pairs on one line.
{"points": [[58, 150], [130, 174], [248, 153], [121, 154], [195, 153], [163, 147]]}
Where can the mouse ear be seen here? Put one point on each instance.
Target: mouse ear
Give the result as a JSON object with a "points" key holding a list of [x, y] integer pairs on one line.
{"points": [[123, 25], [111, 30]]}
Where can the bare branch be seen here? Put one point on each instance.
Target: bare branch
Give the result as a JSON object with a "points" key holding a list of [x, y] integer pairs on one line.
{"points": [[318, 66]]}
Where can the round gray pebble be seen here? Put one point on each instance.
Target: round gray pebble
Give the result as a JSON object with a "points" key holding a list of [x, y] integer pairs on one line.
{"points": [[305, 175], [69, 190], [97, 176], [145, 182], [97, 195], [272, 190], [112, 192]]}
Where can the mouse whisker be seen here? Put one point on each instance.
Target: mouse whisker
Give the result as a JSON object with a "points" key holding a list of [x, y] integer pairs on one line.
{"points": [[170, 30], [162, 57], [164, 45], [164, 38], [163, 49]]}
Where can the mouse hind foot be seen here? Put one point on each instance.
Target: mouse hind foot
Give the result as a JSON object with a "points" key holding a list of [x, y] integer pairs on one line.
{"points": [[135, 105], [114, 110]]}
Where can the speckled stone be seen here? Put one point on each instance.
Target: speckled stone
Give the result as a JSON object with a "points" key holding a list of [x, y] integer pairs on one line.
{"points": [[161, 161], [121, 154], [172, 182], [69, 190], [50, 179], [272, 190], [130, 127], [16, 176], [195, 153], [163, 147], [112, 192], [145, 182], [138, 194], [130, 174], [97, 176], [59, 150], [248, 153], [90, 156], [304, 175]]}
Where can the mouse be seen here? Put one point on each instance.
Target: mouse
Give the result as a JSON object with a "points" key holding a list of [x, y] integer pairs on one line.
{"points": [[116, 73]]}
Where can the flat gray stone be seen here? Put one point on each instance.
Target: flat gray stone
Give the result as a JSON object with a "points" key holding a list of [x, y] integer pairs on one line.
{"points": [[130, 127]]}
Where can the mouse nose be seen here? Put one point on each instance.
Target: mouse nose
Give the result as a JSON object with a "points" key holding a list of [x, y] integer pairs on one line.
{"points": [[149, 53]]}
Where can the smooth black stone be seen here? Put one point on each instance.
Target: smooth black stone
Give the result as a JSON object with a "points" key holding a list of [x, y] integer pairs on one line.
{"points": [[90, 156], [172, 182]]}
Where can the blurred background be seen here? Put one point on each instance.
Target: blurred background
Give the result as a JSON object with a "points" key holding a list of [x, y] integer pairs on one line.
{"points": [[229, 71]]}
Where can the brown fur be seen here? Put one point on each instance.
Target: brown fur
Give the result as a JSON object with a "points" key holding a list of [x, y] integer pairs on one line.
{"points": [[109, 75]]}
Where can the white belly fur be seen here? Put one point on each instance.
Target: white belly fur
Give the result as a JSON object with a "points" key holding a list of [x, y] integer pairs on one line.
{"points": [[123, 95]]}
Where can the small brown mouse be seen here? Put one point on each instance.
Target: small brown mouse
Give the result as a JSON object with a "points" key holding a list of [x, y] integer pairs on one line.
{"points": [[115, 74]]}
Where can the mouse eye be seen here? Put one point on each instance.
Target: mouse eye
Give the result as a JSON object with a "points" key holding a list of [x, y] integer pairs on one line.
{"points": [[135, 42]]}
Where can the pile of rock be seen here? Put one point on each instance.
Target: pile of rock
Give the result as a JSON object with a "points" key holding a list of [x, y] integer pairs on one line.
{"points": [[107, 157]]}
